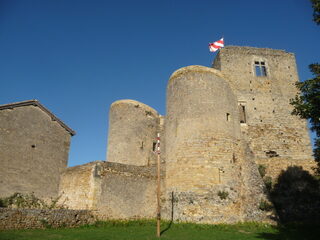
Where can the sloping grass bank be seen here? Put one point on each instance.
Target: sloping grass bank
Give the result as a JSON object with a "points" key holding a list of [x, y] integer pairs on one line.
{"points": [[140, 230]]}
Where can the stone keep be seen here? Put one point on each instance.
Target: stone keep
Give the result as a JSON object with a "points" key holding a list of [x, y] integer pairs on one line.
{"points": [[276, 137], [221, 124]]}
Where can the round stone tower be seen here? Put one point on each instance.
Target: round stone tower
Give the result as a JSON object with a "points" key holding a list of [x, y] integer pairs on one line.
{"points": [[202, 141], [132, 131]]}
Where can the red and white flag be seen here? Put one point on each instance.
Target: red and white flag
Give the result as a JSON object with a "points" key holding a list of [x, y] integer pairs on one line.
{"points": [[216, 45]]}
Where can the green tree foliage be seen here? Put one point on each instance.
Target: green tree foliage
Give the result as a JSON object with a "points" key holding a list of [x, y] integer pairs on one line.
{"points": [[316, 11], [307, 105]]}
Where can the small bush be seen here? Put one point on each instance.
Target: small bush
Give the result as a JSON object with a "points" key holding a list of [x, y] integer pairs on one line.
{"points": [[45, 223], [268, 183], [265, 205], [19, 200], [2, 204], [223, 194], [262, 170]]}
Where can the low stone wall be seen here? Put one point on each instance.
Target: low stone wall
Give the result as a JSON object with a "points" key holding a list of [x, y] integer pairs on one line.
{"points": [[43, 218], [127, 192], [79, 186], [111, 190]]}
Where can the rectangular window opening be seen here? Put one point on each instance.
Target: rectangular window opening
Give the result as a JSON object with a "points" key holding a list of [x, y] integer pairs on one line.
{"points": [[264, 71], [242, 112], [260, 69]]}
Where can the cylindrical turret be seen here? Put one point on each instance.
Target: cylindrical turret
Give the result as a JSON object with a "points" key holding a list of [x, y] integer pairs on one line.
{"points": [[133, 129], [202, 127]]}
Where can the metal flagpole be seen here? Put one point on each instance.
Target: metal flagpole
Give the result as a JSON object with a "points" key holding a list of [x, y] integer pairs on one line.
{"points": [[158, 185]]}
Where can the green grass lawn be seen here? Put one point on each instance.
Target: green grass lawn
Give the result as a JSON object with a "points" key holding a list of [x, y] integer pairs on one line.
{"points": [[140, 230]]}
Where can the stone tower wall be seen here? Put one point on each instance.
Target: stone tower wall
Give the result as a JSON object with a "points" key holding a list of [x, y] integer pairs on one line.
{"points": [[203, 147], [133, 128], [33, 152], [198, 132], [276, 137]]}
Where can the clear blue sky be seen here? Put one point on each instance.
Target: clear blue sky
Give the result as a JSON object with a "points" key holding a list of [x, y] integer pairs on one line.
{"points": [[77, 57]]}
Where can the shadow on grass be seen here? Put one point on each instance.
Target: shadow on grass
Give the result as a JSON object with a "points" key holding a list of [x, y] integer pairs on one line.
{"points": [[171, 218], [293, 232]]}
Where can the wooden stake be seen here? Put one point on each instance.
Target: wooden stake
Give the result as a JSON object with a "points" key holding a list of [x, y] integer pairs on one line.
{"points": [[158, 199], [158, 189]]}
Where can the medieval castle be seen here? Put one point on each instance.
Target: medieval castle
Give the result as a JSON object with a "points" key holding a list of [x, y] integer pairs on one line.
{"points": [[221, 124]]}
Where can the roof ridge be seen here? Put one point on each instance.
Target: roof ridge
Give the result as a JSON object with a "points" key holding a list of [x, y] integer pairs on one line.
{"points": [[35, 102]]}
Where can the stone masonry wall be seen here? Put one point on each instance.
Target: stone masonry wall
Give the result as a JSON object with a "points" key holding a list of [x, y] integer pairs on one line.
{"points": [[133, 127], [127, 192], [201, 128], [204, 154], [274, 166], [274, 135], [199, 201], [33, 152], [80, 186], [36, 218], [113, 190]]}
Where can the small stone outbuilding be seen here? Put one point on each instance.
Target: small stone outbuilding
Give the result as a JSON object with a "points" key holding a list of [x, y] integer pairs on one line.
{"points": [[34, 148]]}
